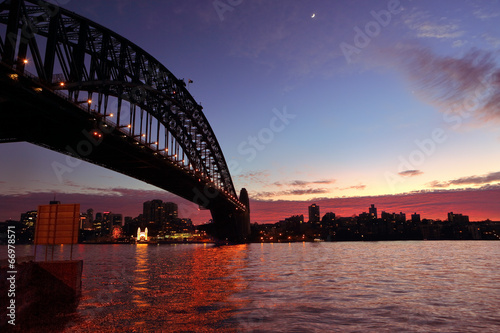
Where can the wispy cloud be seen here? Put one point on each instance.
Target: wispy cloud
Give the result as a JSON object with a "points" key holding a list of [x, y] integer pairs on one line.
{"points": [[492, 40], [355, 187], [410, 173], [484, 14], [459, 43], [305, 182], [425, 26], [471, 180], [470, 84], [253, 177], [297, 192]]}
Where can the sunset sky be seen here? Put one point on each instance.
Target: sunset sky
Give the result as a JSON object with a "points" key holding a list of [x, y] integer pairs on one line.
{"points": [[341, 103]]}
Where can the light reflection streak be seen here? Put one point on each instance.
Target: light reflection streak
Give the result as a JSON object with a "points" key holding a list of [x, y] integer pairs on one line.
{"points": [[141, 276]]}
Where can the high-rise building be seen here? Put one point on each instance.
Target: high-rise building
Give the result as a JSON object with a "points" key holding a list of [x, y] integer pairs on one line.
{"points": [[83, 220], [152, 211], [328, 217], [128, 220], [313, 213], [415, 218], [90, 215], [29, 218], [116, 220], [106, 223], [98, 223], [401, 217], [373, 212], [458, 218], [170, 210]]}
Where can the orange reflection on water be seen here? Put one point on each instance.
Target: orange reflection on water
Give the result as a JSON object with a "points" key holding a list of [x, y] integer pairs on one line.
{"points": [[212, 278], [141, 277], [171, 288]]}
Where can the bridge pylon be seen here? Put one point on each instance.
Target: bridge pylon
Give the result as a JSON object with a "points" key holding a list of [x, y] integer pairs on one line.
{"points": [[231, 224]]}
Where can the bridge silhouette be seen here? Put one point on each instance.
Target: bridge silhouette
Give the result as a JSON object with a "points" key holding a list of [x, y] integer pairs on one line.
{"points": [[96, 96]]}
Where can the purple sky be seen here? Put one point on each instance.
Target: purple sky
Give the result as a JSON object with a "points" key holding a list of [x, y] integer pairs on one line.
{"points": [[310, 100]]}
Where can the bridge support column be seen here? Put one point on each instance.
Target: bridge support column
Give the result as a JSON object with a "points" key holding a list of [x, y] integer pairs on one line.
{"points": [[231, 224]]}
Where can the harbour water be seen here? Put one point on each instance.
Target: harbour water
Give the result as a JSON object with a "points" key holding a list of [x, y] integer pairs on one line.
{"points": [[408, 286]]}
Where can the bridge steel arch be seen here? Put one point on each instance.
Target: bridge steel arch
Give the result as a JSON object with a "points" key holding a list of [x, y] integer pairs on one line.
{"points": [[95, 95]]}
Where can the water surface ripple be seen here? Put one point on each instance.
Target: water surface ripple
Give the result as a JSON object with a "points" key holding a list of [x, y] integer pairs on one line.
{"points": [[421, 286]]}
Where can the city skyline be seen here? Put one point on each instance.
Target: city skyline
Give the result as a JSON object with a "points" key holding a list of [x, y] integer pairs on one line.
{"points": [[312, 106], [313, 210]]}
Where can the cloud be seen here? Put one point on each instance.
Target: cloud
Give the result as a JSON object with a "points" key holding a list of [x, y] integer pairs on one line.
{"points": [[492, 40], [459, 43], [410, 173], [253, 177], [465, 86], [484, 14], [426, 27], [270, 194], [305, 182], [354, 187], [471, 180]]}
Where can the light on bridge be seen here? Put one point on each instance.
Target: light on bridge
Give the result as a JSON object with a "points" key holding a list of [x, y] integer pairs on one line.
{"points": [[89, 101], [166, 149], [25, 61], [129, 126], [143, 135], [111, 115], [62, 84]]}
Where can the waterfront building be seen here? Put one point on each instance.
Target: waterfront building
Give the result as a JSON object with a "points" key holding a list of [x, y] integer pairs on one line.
{"points": [[373, 212], [314, 214]]}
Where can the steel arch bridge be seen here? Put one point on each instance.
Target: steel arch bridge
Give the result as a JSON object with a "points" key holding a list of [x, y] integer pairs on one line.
{"points": [[74, 86]]}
